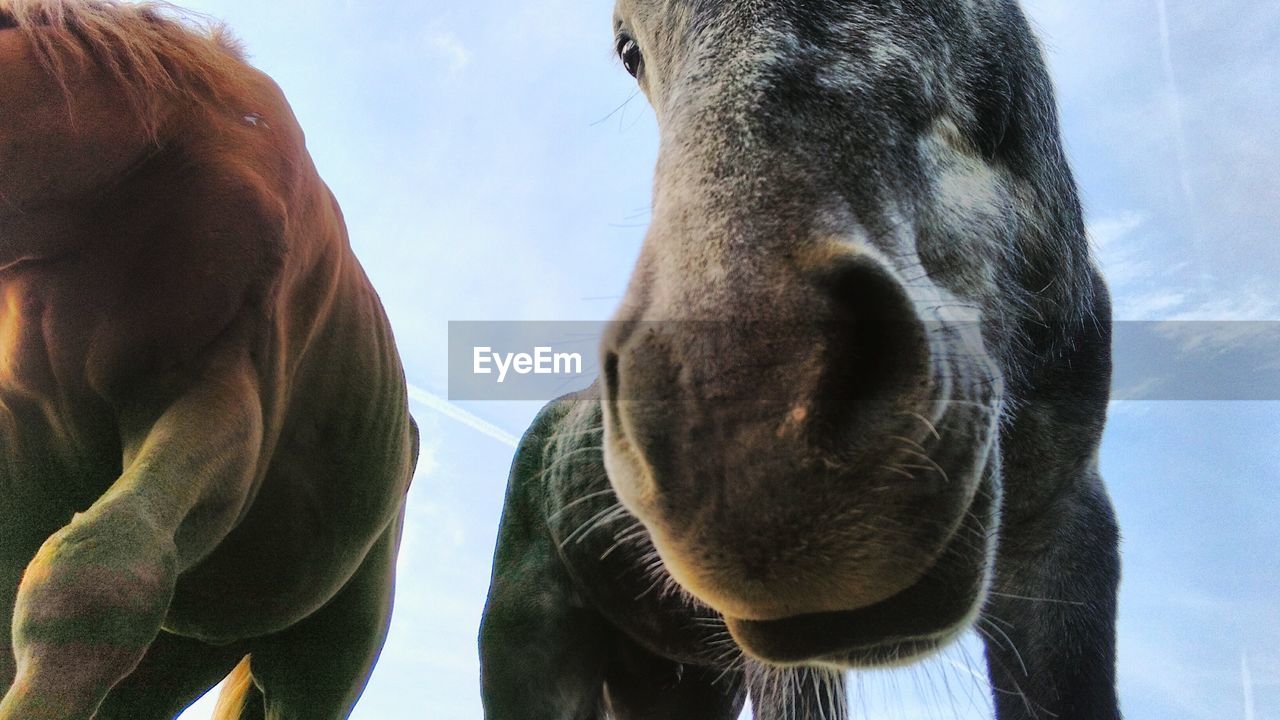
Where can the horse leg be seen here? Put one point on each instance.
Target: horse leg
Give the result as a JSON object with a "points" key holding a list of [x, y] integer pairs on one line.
{"points": [[174, 673], [32, 510], [542, 663], [542, 655], [642, 686], [9, 579], [94, 597], [15, 552], [317, 669], [1049, 626]]}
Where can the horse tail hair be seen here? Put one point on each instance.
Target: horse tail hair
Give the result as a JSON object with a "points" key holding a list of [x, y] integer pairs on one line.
{"points": [[237, 691]]}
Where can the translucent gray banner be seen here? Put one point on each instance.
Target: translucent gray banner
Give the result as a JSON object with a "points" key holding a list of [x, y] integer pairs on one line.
{"points": [[1175, 360]]}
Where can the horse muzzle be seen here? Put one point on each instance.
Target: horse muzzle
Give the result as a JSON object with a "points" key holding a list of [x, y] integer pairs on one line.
{"points": [[800, 465]]}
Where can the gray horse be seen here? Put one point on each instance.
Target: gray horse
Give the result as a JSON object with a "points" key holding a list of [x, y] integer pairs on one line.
{"points": [[852, 401]]}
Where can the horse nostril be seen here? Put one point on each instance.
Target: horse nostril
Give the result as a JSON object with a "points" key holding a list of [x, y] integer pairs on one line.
{"points": [[876, 345], [611, 382], [611, 376]]}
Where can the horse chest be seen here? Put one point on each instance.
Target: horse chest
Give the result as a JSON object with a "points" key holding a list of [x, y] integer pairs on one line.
{"points": [[54, 431], [40, 349], [20, 355]]}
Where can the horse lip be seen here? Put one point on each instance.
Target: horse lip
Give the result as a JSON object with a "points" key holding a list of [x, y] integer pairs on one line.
{"points": [[893, 630], [849, 638], [911, 623]]}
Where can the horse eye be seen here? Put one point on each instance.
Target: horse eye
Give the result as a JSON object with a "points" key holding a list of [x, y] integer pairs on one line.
{"points": [[629, 51]]}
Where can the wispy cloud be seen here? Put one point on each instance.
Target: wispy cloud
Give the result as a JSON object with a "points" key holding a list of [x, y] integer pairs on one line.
{"points": [[449, 48], [1117, 240], [1106, 232], [1147, 285]]}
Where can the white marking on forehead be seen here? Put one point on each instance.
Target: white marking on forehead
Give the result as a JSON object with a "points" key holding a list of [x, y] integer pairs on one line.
{"points": [[972, 211], [967, 185]]}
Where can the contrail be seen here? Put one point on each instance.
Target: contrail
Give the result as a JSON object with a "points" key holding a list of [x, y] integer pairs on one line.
{"points": [[1175, 103], [1180, 143], [1246, 679], [448, 409]]}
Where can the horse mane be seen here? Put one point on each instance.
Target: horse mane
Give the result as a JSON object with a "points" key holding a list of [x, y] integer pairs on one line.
{"points": [[156, 52]]}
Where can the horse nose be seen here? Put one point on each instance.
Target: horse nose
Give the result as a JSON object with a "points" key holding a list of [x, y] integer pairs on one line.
{"points": [[841, 355], [746, 448]]}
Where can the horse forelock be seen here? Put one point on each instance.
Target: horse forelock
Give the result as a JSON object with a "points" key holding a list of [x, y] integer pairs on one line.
{"points": [[156, 52]]}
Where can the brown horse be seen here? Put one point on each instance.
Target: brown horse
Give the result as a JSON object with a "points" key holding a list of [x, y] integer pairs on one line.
{"points": [[205, 435]]}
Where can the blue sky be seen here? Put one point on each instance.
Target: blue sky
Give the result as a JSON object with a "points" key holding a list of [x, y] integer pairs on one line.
{"points": [[494, 163]]}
